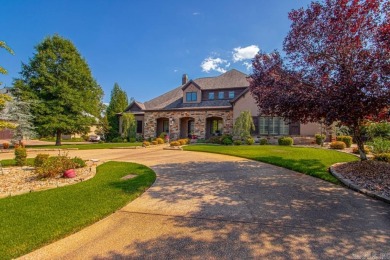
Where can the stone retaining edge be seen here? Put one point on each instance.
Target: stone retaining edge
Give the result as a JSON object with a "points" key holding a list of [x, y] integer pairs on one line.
{"points": [[355, 187]]}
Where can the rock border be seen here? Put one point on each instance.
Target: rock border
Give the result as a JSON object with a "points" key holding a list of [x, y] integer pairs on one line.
{"points": [[92, 169], [355, 187]]}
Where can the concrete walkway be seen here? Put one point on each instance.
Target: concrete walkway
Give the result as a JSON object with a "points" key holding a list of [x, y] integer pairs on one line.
{"points": [[213, 206]]}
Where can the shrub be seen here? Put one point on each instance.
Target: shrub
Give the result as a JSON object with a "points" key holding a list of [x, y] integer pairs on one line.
{"points": [[339, 145], [384, 157], [286, 140], [182, 141], [346, 139], [263, 141], [159, 140], [215, 140], [55, 167], [237, 142], [163, 135], [5, 145], [154, 142], [382, 129], [356, 150], [250, 141], [175, 143], [380, 145], [132, 140], [40, 159], [78, 162], [118, 140], [201, 140], [145, 143], [320, 138], [20, 156], [226, 139]]}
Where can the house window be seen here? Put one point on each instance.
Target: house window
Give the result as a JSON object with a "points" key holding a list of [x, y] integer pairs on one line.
{"points": [[273, 126], [139, 126], [191, 96], [216, 127], [221, 95], [211, 95], [165, 126], [231, 94]]}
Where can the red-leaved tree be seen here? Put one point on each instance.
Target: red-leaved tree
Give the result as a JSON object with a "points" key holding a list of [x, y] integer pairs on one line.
{"points": [[336, 68]]}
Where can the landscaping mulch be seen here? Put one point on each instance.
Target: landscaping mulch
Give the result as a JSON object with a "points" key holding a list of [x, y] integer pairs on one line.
{"points": [[370, 175], [19, 180]]}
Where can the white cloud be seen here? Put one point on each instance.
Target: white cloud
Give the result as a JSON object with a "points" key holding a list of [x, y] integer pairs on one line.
{"points": [[210, 64], [195, 13], [245, 53], [248, 65]]}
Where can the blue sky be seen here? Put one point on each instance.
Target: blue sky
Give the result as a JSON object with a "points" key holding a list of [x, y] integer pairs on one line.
{"points": [[146, 46]]}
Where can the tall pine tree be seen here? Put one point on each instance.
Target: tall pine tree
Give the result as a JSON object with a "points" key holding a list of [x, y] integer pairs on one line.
{"points": [[118, 104], [66, 97]]}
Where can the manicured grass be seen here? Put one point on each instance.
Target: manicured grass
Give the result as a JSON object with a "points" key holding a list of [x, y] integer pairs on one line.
{"points": [[32, 220], [86, 146], [11, 162], [311, 161]]}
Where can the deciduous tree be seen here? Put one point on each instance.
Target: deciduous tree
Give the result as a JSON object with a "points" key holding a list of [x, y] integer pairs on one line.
{"points": [[337, 66], [243, 125], [66, 97]]}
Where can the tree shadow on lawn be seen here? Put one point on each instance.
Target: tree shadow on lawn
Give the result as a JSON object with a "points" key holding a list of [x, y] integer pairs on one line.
{"points": [[251, 210]]}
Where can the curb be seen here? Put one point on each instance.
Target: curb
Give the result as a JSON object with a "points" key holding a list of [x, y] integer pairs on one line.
{"points": [[355, 187]]}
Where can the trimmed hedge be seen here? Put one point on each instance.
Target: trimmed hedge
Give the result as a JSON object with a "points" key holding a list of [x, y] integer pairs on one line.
{"points": [[263, 141], [286, 140], [346, 139], [320, 138], [338, 145]]}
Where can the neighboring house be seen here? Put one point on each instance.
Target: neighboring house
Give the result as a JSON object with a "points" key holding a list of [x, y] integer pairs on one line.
{"points": [[207, 107]]}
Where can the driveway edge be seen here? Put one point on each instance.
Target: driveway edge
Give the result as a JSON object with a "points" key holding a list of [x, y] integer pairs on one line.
{"points": [[355, 187]]}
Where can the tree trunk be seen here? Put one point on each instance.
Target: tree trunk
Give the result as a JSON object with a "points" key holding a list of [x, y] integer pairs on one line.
{"points": [[58, 138], [360, 144]]}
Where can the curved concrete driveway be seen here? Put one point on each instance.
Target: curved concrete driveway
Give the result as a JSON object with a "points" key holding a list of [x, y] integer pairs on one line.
{"points": [[214, 206]]}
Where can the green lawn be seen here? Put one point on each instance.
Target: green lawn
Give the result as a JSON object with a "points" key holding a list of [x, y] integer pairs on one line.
{"points": [[11, 162], [86, 146], [32, 220], [311, 161]]}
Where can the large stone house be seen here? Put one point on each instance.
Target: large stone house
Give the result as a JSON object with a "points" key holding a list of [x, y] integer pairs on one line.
{"points": [[206, 107]]}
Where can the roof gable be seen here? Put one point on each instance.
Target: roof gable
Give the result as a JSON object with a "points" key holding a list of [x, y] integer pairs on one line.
{"points": [[135, 106], [189, 83]]}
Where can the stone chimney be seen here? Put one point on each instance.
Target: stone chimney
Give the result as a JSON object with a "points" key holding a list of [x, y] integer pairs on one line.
{"points": [[184, 79]]}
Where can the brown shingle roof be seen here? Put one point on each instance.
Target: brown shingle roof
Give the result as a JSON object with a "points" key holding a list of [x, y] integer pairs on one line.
{"points": [[231, 79]]}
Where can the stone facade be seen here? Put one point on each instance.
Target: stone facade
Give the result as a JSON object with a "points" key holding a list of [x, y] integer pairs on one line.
{"points": [[200, 121]]}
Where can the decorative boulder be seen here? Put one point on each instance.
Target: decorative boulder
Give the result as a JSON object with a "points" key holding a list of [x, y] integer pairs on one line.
{"points": [[71, 173]]}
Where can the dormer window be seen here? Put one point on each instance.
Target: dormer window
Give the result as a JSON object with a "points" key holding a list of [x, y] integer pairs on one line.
{"points": [[221, 95], [211, 95], [191, 96], [231, 94]]}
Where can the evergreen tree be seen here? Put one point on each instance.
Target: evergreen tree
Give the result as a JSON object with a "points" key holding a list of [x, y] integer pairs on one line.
{"points": [[118, 103], [129, 126], [66, 97], [18, 112]]}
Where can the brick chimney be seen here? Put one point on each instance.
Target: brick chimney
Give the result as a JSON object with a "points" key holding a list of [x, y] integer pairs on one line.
{"points": [[184, 79]]}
